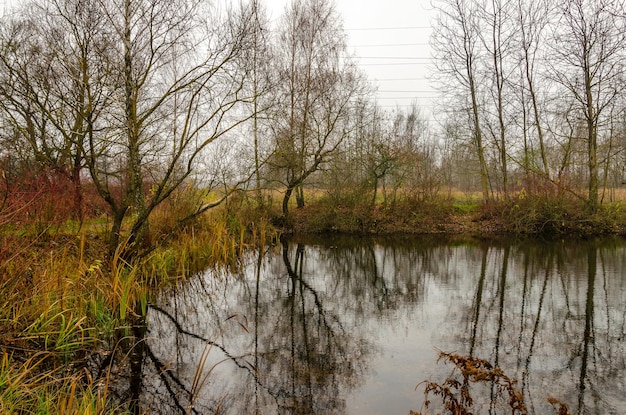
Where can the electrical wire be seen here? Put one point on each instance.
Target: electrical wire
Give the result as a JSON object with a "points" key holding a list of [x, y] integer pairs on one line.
{"points": [[387, 28], [386, 45]]}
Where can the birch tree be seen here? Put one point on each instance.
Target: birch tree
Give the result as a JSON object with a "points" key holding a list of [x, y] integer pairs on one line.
{"points": [[181, 86], [588, 46], [319, 83], [457, 48], [137, 89]]}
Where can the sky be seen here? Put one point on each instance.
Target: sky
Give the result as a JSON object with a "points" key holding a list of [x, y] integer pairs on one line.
{"points": [[390, 39]]}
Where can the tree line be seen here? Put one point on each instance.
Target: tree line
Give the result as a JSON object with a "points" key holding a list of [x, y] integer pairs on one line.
{"points": [[536, 90], [136, 99]]}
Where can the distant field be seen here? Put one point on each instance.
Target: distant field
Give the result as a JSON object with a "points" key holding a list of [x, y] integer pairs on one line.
{"points": [[610, 195], [618, 194]]}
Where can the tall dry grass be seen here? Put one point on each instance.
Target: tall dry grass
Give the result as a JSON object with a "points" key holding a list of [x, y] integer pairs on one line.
{"points": [[30, 387], [62, 298]]}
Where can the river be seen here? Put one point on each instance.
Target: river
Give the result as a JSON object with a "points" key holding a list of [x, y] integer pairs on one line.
{"points": [[343, 325]]}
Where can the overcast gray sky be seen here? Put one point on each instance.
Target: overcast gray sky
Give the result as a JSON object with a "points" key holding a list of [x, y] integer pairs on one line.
{"points": [[390, 39]]}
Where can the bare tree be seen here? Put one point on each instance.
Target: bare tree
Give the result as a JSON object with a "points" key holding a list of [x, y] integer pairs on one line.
{"points": [[457, 45], [411, 163], [588, 44], [53, 90], [497, 42], [319, 83], [533, 16], [135, 90], [258, 57], [179, 90]]}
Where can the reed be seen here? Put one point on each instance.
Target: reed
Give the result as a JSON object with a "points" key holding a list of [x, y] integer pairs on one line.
{"points": [[61, 299], [219, 238], [49, 290], [61, 332], [29, 387], [202, 374]]}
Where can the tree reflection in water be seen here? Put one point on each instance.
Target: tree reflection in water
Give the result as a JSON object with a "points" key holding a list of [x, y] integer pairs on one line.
{"points": [[341, 325], [569, 340]]}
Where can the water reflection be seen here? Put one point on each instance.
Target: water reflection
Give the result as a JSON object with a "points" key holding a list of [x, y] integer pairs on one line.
{"points": [[351, 326]]}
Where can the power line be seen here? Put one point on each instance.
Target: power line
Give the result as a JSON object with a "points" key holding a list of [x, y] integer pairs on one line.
{"points": [[385, 45], [394, 63], [398, 105], [389, 28], [422, 97], [388, 91], [394, 57], [398, 79]]}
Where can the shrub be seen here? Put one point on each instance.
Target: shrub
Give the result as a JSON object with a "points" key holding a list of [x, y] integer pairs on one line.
{"points": [[552, 215]]}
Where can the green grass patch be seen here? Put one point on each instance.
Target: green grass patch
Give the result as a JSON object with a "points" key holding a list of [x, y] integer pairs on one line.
{"points": [[466, 206]]}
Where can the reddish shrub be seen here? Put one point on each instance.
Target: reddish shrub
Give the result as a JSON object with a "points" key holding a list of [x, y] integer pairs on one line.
{"points": [[41, 197]]}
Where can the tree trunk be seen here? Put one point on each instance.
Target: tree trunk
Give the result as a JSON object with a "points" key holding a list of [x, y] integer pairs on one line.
{"points": [[286, 198], [375, 191], [593, 170], [135, 190], [114, 236], [77, 208], [478, 141], [300, 196], [592, 141]]}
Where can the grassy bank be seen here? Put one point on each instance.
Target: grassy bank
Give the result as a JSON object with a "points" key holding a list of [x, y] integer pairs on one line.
{"points": [[64, 305]]}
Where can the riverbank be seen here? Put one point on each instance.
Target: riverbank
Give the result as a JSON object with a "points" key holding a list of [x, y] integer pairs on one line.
{"points": [[522, 217], [69, 313]]}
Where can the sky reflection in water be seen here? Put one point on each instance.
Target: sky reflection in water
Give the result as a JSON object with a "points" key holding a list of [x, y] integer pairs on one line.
{"points": [[350, 326]]}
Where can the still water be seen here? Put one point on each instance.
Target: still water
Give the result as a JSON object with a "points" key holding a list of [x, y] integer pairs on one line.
{"points": [[352, 326]]}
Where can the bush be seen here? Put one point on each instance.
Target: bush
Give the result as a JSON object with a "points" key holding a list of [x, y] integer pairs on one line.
{"points": [[552, 215], [38, 198], [325, 214]]}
